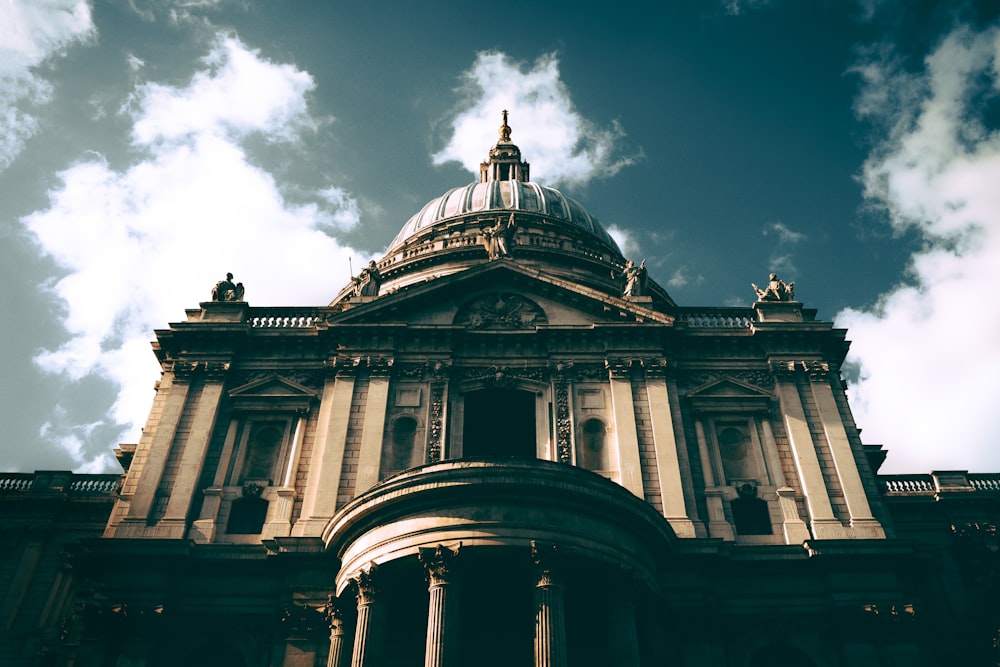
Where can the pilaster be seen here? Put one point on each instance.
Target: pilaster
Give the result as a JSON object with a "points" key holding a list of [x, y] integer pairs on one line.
{"points": [[319, 499], [864, 525], [154, 461], [174, 521], [824, 524], [373, 432], [626, 432], [665, 448]]}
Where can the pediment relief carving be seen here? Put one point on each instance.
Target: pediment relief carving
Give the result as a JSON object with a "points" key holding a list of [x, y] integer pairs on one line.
{"points": [[500, 310]]}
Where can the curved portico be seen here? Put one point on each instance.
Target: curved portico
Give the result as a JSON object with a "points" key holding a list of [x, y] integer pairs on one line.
{"points": [[521, 537]]}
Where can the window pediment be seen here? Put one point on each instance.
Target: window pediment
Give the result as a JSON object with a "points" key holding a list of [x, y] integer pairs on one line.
{"points": [[729, 395], [272, 393]]}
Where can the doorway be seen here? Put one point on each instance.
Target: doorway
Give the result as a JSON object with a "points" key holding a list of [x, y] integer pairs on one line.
{"points": [[499, 423]]}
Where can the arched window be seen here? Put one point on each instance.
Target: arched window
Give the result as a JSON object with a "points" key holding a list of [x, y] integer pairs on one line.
{"points": [[734, 447], [592, 449], [262, 449], [401, 452]]}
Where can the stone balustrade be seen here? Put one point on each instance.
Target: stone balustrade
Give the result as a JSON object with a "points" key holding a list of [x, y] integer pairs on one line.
{"points": [[720, 318]]}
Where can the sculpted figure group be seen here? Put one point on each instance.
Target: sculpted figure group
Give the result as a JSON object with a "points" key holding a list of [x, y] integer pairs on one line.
{"points": [[776, 290]]}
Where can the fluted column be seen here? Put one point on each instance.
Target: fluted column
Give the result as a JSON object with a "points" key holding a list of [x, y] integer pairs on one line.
{"points": [[441, 617], [624, 634], [367, 642], [550, 619], [335, 618]]}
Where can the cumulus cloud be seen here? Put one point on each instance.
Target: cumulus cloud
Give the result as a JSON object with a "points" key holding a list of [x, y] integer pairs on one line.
{"points": [[927, 355], [32, 32], [141, 244], [561, 145]]}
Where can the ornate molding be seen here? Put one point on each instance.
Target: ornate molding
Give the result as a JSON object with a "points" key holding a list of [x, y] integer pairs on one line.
{"points": [[761, 379], [619, 369], [547, 561], [364, 583], [214, 371], [564, 426], [500, 376], [434, 449], [437, 563], [500, 311]]}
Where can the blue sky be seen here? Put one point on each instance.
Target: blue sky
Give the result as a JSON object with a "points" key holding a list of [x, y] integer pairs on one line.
{"points": [[147, 147]]}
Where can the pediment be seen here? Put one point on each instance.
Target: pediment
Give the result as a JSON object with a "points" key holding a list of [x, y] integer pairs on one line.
{"points": [[272, 393], [498, 295], [729, 395]]}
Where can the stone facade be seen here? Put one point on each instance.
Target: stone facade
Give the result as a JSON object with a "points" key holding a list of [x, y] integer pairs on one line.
{"points": [[503, 455]]}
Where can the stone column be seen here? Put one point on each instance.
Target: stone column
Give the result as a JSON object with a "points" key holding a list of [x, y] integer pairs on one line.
{"points": [[441, 614], [550, 620], [367, 633], [717, 524], [626, 433], [335, 617], [624, 634]]}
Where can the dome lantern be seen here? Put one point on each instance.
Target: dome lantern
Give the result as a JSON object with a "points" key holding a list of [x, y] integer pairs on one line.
{"points": [[504, 163]]}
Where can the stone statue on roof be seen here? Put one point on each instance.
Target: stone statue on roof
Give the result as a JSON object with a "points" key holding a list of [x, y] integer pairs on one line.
{"points": [[499, 238], [225, 290], [776, 290], [633, 278]]}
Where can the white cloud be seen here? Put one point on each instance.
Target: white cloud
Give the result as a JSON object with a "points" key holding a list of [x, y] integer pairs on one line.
{"points": [[142, 244], [929, 353], [31, 33], [784, 233], [560, 144]]}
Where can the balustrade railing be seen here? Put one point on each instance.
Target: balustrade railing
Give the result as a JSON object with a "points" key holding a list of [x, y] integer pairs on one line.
{"points": [[718, 318], [284, 318], [16, 481], [908, 483], [59, 481], [988, 482]]}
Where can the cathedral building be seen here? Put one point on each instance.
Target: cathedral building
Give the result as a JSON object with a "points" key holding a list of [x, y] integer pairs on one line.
{"points": [[502, 444]]}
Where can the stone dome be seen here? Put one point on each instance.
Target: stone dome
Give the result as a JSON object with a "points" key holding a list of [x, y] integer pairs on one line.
{"points": [[503, 196], [503, 216]]}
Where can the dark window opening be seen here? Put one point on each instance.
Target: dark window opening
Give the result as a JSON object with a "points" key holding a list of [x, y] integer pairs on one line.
{"points": [[751, 516], [247, 516], [499, 423]]}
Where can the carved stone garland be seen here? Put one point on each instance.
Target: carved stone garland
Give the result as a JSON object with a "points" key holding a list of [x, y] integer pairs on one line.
{"points": [[563, 425]]}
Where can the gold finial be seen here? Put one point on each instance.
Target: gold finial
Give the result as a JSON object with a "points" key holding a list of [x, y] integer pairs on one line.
{"points": [[505, 129]]}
